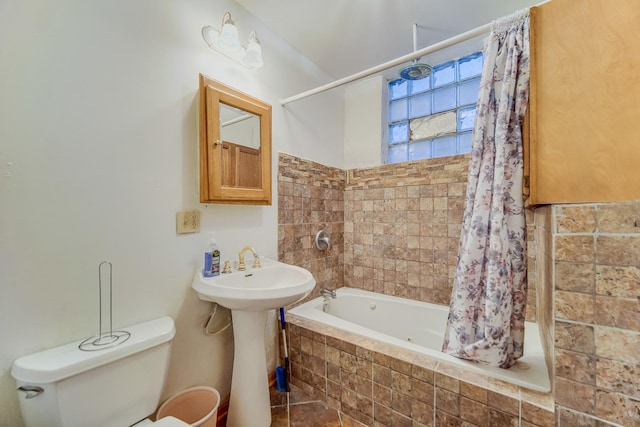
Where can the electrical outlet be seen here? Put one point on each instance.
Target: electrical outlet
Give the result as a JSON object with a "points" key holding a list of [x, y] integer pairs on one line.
{"points": [[188, 222]]}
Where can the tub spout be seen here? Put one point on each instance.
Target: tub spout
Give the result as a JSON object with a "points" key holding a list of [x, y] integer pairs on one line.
{"points": [[328, 293]]}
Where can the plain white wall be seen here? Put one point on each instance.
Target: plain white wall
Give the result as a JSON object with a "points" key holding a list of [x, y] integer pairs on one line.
{"points": [[365, 114], [98, 151]]}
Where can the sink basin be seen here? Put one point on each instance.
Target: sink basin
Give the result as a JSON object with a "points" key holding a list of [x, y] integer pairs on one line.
{"points": [[273, 285]]}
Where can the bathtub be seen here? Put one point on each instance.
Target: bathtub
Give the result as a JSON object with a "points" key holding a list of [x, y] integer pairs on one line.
{"points": [[417, 327]]}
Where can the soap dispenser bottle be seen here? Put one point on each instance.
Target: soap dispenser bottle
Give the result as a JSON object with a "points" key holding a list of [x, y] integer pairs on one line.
{"points": [[212, 260]]}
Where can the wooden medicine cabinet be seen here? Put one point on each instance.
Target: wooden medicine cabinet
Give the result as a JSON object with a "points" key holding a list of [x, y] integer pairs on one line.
{"points": [[235, 146]]}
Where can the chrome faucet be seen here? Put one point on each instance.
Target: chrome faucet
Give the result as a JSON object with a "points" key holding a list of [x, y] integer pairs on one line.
{"points": [[328, 293], [256, 258]]}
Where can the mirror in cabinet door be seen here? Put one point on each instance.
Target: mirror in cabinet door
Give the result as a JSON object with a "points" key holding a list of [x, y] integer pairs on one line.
{"points": [[235, 146]]}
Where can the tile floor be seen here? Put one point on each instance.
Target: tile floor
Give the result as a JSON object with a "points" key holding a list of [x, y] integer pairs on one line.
{"points": [[298, 409]]}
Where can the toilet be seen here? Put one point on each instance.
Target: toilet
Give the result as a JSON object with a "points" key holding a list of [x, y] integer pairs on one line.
{"points": [[111, 387]]}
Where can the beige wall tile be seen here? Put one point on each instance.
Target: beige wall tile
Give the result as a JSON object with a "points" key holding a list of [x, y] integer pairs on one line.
{"points": [[618, 217], [357, 407], [574, 248], [618, 312], [617, 344], [618, 377], [574, 395], [537, 416], [447, 401], [474, 412], [575, 366], [576, 219], [503, 403], [619, 281], [501, 387], [499, 418], [422, 391], [382, 414], [357, 365], [575, 419], [618, 250], [381, 394], [573, 336], [575, 277], [382, 375], [447, 382], [362, 386], [474, 392], [575, 306], [618, 408], [401, 403], [421, 372], [457, 189], [402, 366], [538, 399], [400, 383], [422, 413]]}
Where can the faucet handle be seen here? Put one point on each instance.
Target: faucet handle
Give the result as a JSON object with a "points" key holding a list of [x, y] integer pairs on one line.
{"points": [[256, 262], [227, 267]]}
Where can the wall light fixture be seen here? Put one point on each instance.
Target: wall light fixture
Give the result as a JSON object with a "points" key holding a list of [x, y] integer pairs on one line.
{"points": [[226, 42]]}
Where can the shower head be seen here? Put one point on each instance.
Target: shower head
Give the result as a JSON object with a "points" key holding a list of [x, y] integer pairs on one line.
{"points": [[415, 71]]}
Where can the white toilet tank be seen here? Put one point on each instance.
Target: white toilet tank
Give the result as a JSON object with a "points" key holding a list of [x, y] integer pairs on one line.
{"points": [[113, 387]]}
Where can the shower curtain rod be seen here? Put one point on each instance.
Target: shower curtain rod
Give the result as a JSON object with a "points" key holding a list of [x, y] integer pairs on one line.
{"points": [[483, 29], [401, 60]]}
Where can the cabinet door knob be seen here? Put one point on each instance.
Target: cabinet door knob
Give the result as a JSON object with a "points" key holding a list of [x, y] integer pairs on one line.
{"points": [[217, 142]]}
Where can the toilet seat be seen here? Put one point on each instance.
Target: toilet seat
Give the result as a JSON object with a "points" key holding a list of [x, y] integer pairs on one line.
{"points": [[162, 422], [170, 422]]}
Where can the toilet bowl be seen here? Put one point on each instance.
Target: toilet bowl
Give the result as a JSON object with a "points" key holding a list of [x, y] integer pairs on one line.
{"points": [[163, 422], [111, 387]]}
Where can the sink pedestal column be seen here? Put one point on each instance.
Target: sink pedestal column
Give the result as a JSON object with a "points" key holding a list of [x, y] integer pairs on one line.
{"points": [[249, 403]]}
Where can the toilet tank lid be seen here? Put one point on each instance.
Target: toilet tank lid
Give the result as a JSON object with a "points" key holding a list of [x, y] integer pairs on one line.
{"points": [[67, 360]]}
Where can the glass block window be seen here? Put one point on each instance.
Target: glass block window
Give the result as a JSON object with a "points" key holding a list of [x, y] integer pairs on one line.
{"points": [[434, 117]]}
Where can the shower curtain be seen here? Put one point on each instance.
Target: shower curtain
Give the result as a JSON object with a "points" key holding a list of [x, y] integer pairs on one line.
{"points": [[487, 313]]}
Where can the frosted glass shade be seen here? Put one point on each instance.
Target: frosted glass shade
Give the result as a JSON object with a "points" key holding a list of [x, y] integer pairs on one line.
{"points": [[253, 56], [228, 40]]}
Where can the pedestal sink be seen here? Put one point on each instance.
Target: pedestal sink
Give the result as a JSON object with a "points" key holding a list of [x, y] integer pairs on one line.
{"points": [[250, 295]]}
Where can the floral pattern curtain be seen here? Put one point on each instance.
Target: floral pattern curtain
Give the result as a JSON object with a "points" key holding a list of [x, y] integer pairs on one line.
{"points": [[487, 313]]}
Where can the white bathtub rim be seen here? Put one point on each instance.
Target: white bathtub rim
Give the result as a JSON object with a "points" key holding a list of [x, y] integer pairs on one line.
{"points": [[535, 378]]}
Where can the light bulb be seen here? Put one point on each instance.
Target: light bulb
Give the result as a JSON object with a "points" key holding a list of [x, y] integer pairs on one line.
{"points": [[253, 56]]}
